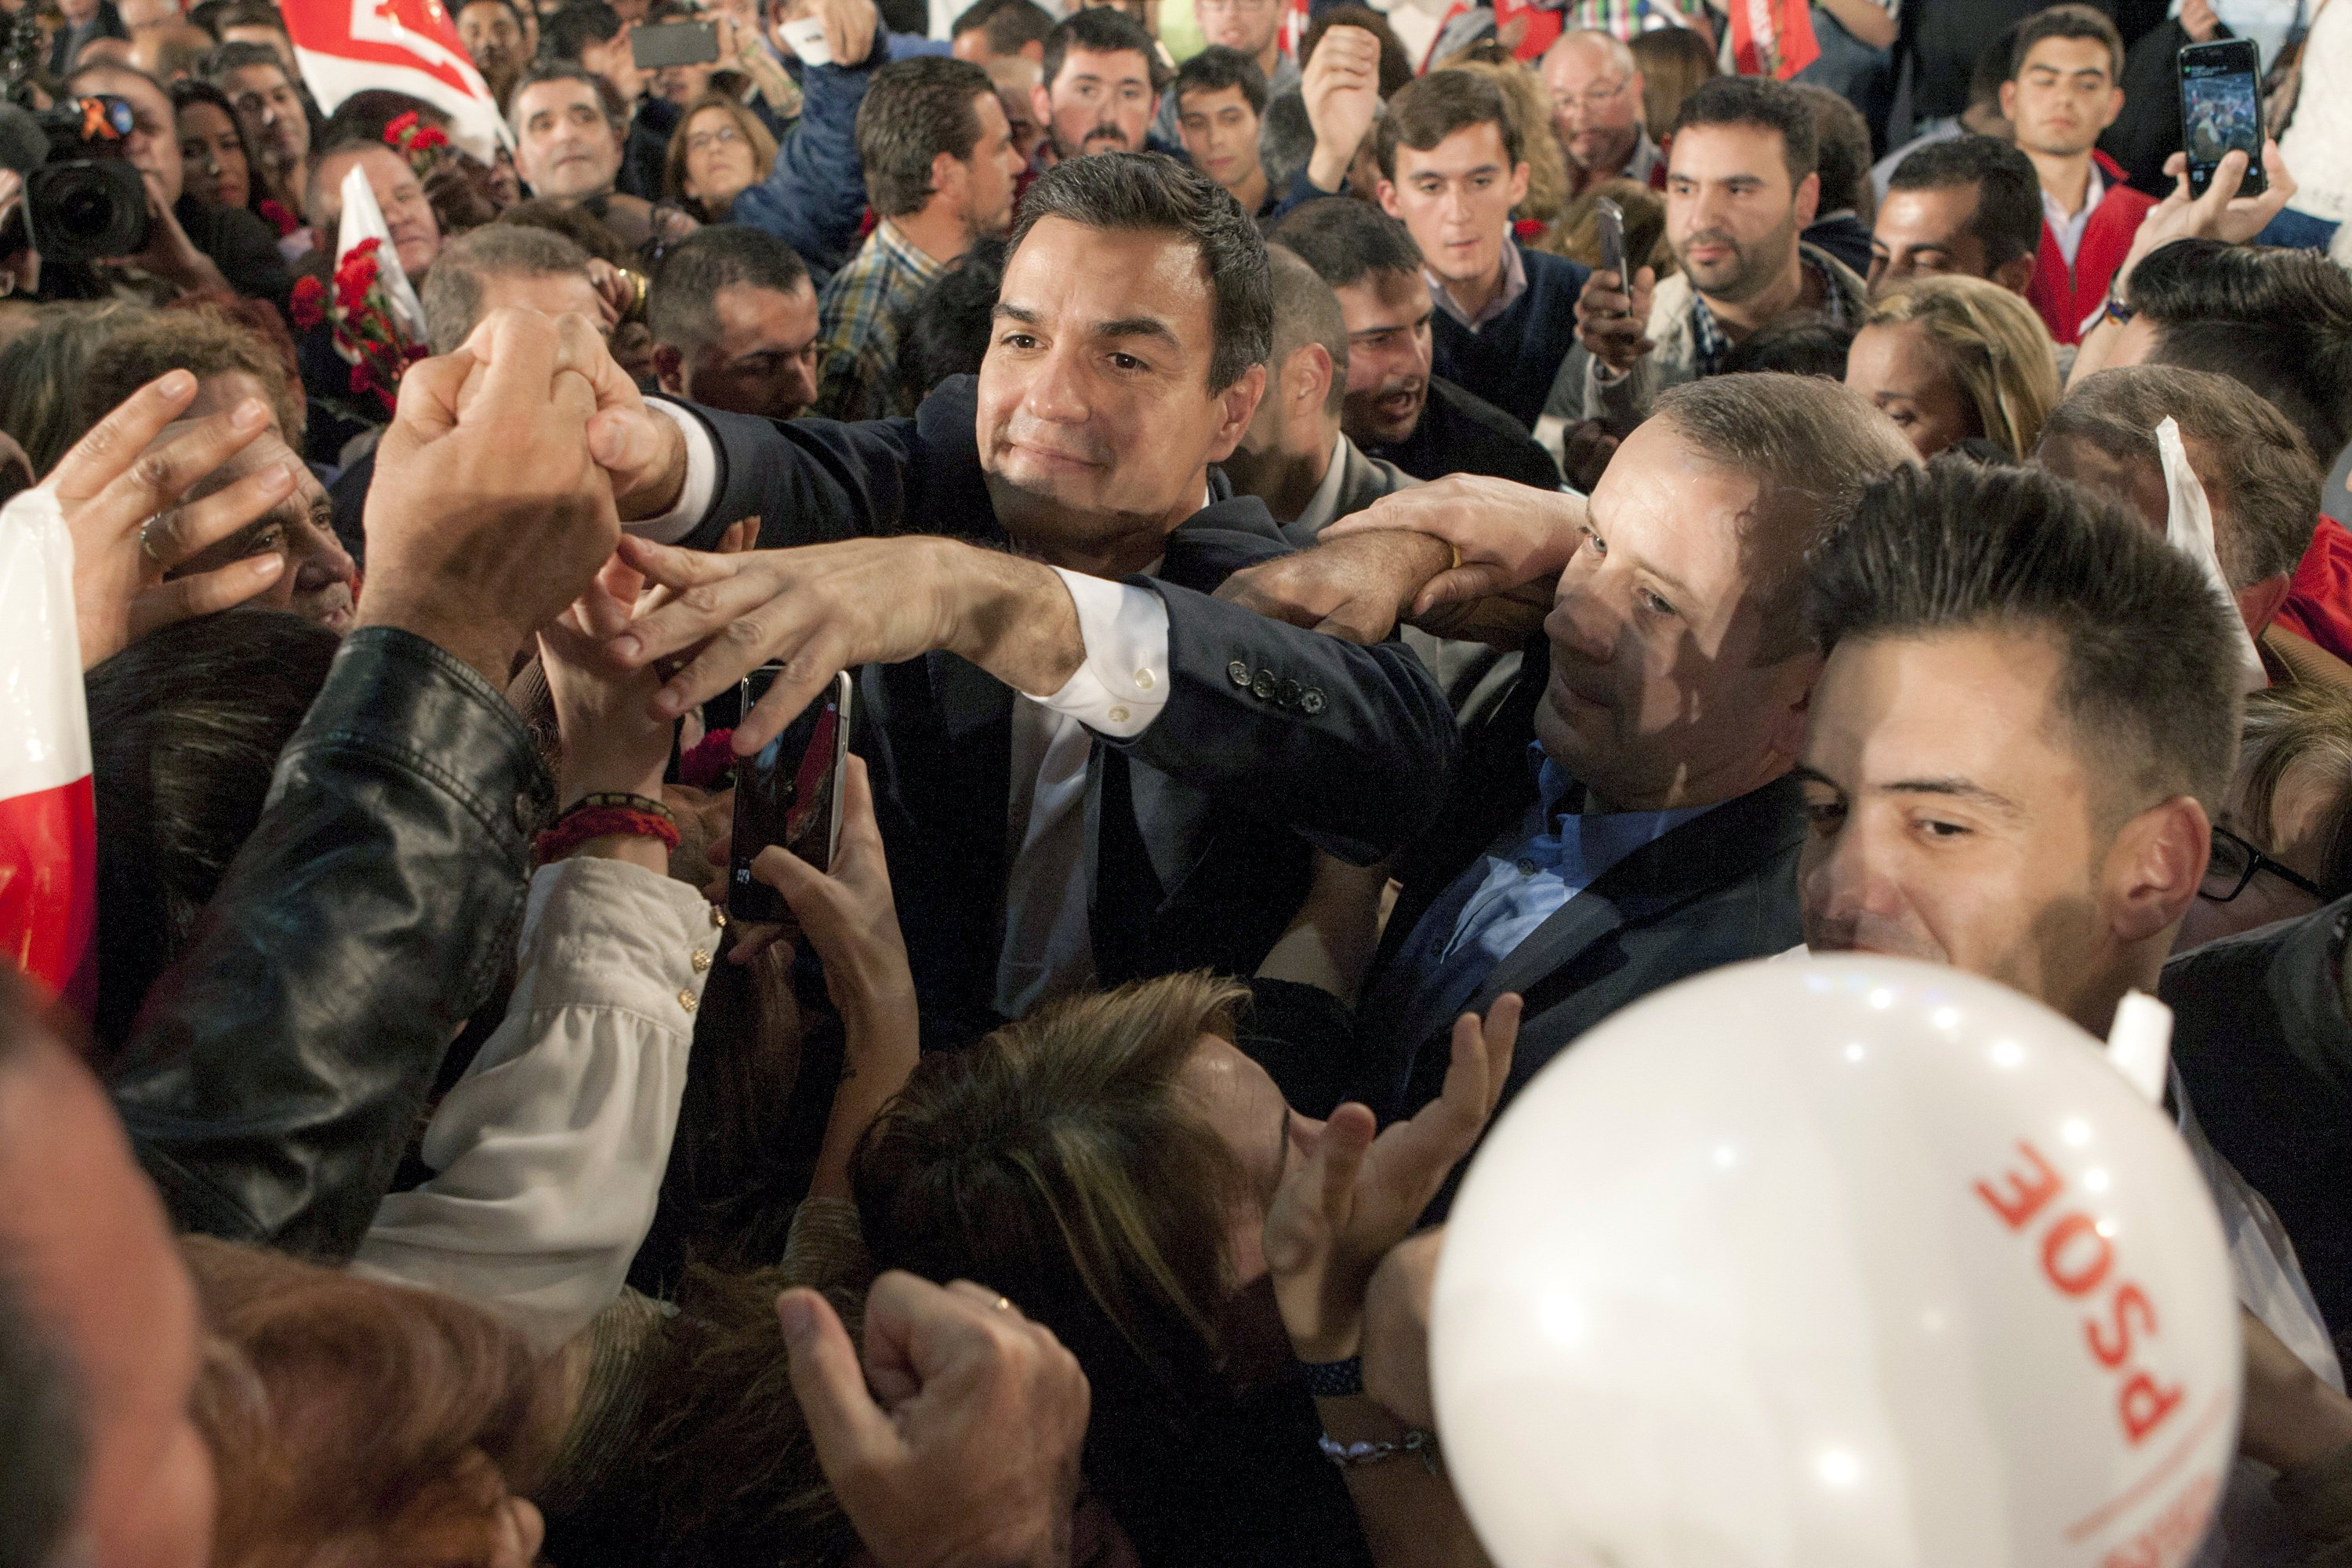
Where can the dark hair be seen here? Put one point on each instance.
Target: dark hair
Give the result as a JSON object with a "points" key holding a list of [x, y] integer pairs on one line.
{"points": [[1992, 68], [2249, 458], [1306, 312], [946, 331], [2067, 22], [247, 14], [1432, 107], [1152, 192], [1343, 239], [1396, 65], [1013, 25], [2008, 219], [192, 89], [1765, 104], [2149, 678], [915, 109], [235, 55], [2279, 321], [365, 115], [547, 68], [452, 295], [43, 1452], [1101, 30], [1215, 68], [1801, 342], [204, 341], [682, 309], [514, 9], [186, 727], [1841, 150], [576, 27]]}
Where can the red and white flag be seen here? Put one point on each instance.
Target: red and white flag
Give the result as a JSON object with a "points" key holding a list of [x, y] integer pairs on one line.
{"points": [[48, 830], [408, 46], [1772, 38]]}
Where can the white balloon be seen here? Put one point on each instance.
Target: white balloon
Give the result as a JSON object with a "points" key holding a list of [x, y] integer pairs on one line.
{"points": [[1855, 1262]]}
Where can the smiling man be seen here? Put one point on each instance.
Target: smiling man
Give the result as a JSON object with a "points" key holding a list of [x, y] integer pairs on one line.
{"points": [[2063, 88], [1740, 188], [1088, 770], [1451, 171]]}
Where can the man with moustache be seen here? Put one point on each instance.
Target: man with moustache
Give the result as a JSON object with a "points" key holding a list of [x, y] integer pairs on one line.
{"points": [[1740, 188]]}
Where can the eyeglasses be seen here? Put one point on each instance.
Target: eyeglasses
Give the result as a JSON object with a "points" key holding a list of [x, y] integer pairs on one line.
{"points": [[1593, 99], [2234, 864], [704, 141]]}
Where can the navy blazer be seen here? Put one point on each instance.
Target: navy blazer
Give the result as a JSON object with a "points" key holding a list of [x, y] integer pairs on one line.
{"points": [[1717, 890], [1275, 740]]}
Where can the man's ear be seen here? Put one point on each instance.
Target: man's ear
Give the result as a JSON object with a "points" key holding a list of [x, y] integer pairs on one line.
{"points": [[2258, 602], [1791, 700], [1519, 183], [1308, 375], [670, 368], [950, 175], [2015, 275], [1237, 405], [1808, 199], [2009, 102], [2155, 867], [1041, 104], [1387, 192], [1035, 49]]}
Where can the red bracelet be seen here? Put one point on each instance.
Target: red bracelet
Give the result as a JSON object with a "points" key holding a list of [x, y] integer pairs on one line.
{"points": [[582, 824]]}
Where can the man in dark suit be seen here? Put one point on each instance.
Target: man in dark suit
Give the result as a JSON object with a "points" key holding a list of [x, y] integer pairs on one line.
{"points": [[1626, 819], [1087, 768]]}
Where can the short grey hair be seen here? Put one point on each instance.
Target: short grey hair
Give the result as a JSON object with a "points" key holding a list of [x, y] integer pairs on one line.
{"points": [[452, 289], [1814, 444]]}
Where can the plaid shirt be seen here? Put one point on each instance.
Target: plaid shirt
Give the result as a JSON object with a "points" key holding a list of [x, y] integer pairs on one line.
{"points": [[857, 326], [1624, 18], [1707, 338]]}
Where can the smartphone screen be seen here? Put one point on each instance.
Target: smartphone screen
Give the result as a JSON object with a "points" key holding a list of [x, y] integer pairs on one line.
{"points": [[1610, 219], [787, 793], [674, 44], [2221, 111]]}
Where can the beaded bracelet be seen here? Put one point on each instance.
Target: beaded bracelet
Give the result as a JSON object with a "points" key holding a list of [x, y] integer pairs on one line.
{"points": [[625, 800], [1418, 1442], [582, 823]]}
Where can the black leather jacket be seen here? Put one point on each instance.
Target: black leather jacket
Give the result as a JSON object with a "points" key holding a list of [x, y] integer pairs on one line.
{"points": [[278, 1069]]}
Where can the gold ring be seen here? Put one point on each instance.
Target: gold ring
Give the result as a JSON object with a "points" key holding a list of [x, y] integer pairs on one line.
{"points": [[147, 541]]}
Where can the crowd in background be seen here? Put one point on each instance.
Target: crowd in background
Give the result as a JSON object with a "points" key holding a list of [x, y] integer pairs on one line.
{"points": [[1364, 541]]}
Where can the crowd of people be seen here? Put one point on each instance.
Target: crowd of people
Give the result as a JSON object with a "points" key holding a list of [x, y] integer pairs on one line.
{"points": [[1363, 542]]}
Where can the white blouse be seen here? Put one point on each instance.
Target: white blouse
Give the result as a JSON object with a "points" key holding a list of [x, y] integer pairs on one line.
{"points": [[548, 1154]]}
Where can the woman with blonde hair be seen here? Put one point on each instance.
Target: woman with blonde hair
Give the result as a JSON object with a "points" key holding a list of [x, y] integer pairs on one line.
{"points": [[1957, 359], [718, 151]]}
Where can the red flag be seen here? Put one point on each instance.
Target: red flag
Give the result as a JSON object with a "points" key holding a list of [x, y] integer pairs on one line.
{"points": [[1772, 38], [48, 835], [408, 46]]}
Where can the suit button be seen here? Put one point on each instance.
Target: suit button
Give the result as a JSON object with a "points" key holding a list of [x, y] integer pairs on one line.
{"points": [[1291, 692], [1313, 702], [685, 1000], [1238, 673], [1262, 687]]}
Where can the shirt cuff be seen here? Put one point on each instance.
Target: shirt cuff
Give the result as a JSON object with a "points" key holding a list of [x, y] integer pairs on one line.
{"points": [[1123, 684], [701, 478]]}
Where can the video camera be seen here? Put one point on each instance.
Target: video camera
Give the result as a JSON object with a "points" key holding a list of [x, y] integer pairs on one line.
{"points": [[84, 200]]}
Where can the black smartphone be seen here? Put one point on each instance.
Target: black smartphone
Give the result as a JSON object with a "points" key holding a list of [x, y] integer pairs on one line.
{"points": [[675, 44], [788, 792], [1610, 219], [2221, 111]]}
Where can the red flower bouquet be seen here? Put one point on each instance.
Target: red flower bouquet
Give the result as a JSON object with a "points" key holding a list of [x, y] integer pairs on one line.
{"points": [[366, 332], [414, 140]]}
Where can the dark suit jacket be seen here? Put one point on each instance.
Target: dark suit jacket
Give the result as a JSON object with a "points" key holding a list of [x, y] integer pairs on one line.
{"points": [[1199, 829], [1461, 434], [1718, 889], [2260, 1038]]}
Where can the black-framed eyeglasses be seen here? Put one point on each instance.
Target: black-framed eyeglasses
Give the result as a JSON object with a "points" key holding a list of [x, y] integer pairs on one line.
{"points": [[2234, 864]]}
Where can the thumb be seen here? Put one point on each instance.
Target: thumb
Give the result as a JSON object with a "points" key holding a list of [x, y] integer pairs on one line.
{"points": [[846, 1428], [1471, 580]]}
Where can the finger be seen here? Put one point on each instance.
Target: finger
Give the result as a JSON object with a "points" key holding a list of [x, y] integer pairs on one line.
{"points": [[846, 1426], [859, 826], [752, 939], [518, 349], [185, 533], [1502, 1031], [807, 672], [204, 594], [1471, 580], [115, 442], [740, 535]]}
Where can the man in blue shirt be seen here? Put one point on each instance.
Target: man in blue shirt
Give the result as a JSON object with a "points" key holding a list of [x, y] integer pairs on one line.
{"points": [[1627, 818]]}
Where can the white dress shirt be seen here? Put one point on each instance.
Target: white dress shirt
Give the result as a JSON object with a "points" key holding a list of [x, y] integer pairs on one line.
{"points": [[2068, 230], [1118, 691], [548, 1154]]}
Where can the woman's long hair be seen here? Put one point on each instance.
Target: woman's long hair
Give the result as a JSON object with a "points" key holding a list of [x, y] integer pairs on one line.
{"points": [[1997, 349]]}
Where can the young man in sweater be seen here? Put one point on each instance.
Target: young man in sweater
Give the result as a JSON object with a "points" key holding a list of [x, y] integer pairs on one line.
{"points": [[1451, 171], [2061, 93]]}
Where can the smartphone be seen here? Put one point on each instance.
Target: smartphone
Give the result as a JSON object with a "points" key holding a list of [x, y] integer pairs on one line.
{"points": [[2221, 111], [1610, 218], [788, 792], [675, 44]]}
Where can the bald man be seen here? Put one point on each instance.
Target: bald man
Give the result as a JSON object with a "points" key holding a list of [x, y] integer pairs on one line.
{"points": [[1596, 113]]}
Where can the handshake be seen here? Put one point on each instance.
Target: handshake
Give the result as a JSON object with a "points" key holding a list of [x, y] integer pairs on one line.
{"points": [[501, 485]]}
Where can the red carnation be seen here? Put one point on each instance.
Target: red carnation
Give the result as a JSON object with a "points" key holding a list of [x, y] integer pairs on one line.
{"points": [[273, 212], [309, 305]]}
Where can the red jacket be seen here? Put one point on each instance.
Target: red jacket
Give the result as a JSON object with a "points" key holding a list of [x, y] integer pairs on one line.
{"points": [[2319, 600], [2067, 298]]}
